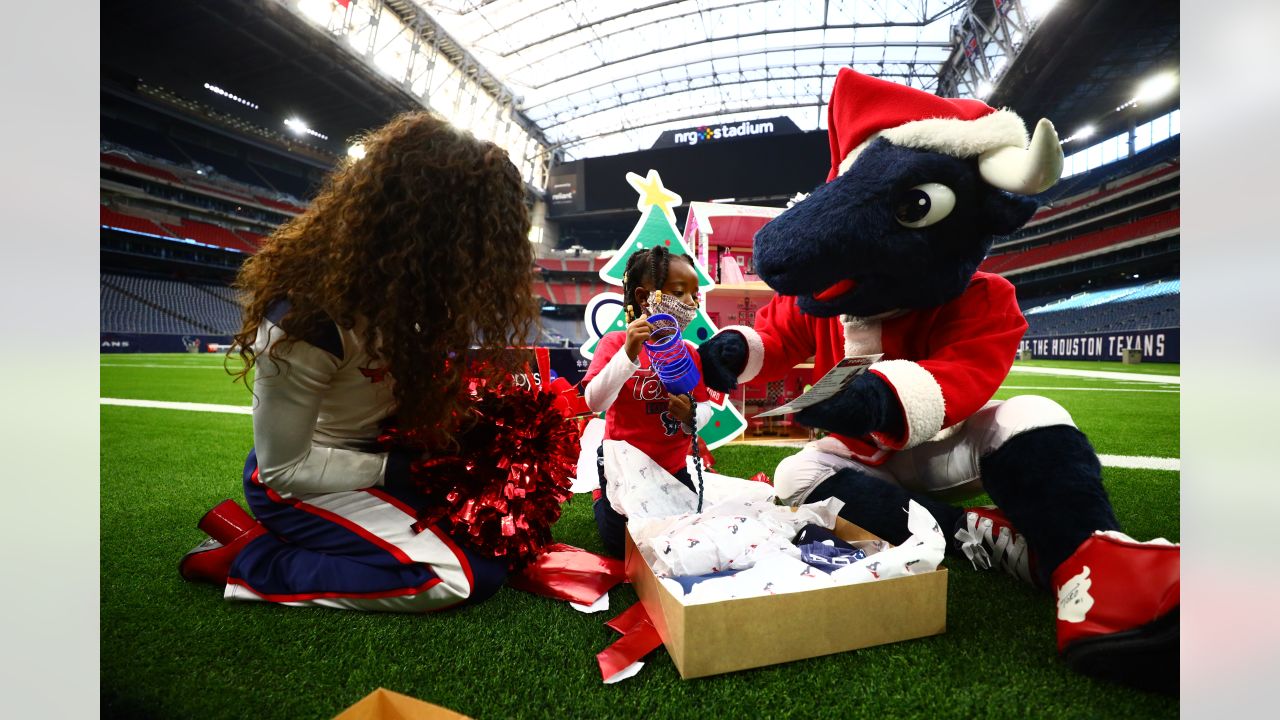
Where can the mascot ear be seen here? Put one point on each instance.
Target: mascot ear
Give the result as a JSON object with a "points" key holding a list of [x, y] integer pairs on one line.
{"points": [[1006, 212]]}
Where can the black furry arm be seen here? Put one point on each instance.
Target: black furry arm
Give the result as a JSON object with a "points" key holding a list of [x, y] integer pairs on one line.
{"points": [[723, 359], [868, 405]]}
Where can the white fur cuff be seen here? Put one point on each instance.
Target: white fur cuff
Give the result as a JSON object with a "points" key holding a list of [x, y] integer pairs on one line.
{"points": [[755, 351], [920, 395]]}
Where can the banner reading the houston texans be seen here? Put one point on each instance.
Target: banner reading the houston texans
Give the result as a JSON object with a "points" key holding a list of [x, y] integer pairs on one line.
{"points": [[1156, 345]]}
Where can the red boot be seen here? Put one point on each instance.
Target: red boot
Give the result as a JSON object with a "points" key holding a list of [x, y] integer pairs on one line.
{"points": [[1118, 604], [210, 561], [230, 528], [227, 521]]}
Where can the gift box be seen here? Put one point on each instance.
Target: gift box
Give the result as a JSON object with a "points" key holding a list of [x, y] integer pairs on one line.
{"points": [[719, 637]]}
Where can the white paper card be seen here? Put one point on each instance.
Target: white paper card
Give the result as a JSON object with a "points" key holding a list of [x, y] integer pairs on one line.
{"points": [[837, 379]]}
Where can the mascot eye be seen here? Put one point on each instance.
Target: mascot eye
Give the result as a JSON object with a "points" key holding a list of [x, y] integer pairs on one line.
{"points": [[924, 205]]}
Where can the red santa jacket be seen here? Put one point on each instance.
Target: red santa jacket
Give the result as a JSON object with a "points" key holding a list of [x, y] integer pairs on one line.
{"points": [[943, 363]]}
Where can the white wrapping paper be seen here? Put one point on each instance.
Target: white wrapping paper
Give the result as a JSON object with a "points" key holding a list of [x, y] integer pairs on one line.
{"points": [[729, 535], [921, 553], [779, 572]]}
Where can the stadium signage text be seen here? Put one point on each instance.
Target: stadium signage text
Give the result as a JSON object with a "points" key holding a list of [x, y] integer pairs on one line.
{"points": [[731, 131], [1156, 346]]}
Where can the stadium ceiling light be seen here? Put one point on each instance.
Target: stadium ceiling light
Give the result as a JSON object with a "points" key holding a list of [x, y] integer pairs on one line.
{"points": [[1156, 87], [301, 128], [1039, 8], [1081, 134], [230, 96], [356, 151], [984, 89], [317, 11]]}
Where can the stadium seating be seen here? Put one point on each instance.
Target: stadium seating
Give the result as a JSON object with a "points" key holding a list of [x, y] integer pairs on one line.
{"points": [[125, 163], [152, 305], [1165, 151], [209, 234], [1144, 307], [123, 221], [1082, 244]]}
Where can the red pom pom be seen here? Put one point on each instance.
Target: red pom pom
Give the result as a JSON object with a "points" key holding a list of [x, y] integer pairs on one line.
{"points": [[499, 490]]}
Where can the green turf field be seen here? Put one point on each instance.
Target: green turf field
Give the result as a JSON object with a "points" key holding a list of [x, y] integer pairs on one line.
{"points": [[173, 649]]}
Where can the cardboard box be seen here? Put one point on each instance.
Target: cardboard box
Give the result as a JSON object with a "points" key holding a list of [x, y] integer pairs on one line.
{"points": [[720, 637]]}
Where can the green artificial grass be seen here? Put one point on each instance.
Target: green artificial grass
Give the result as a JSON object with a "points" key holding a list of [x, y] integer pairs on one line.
{"points": [[1150, 368], [174, 649]]}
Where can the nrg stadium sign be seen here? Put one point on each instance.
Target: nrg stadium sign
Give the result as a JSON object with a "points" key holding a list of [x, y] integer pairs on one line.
{"points": [[732, 131]]}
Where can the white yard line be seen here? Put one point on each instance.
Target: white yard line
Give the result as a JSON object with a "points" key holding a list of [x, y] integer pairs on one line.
{"points": [[1142, 462], [164, 405], [165, 367], [1105, 374], [1125, 461], [1083, 389]]}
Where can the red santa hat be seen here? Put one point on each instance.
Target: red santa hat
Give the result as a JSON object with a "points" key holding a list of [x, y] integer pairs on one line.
{"points": [[863, 108]]}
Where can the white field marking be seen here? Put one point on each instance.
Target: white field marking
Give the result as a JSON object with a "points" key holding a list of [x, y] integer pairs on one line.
{"points": [[165, 405], [1105, 374], [163, 367], [1141, 462], [1084, 389], [1126, 461]]}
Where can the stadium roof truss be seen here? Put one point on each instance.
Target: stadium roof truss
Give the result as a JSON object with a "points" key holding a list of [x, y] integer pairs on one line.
{"points": [[398, 39], [601, 77], [557, 80]]}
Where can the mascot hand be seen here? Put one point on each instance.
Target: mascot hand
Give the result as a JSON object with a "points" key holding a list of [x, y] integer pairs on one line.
{"points": [[723, 359], [867, 405]]}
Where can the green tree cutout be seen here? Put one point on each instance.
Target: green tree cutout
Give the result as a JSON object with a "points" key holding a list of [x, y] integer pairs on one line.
{"points": [[657, 227]]}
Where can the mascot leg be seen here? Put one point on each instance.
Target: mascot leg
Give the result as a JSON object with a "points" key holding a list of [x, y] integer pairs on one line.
{"points": [[1118, 599], [879, 505], [872, 498]]}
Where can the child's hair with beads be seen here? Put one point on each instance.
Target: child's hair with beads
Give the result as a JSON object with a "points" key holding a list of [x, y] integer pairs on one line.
{"points": [[649, 264]]}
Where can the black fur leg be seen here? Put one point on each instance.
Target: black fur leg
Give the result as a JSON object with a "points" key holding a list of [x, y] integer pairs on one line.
{"points": [[1048, 481], [881, 506]]}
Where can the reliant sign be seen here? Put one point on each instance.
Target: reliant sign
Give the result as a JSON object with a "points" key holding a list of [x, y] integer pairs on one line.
{"points": [[726, 131]]}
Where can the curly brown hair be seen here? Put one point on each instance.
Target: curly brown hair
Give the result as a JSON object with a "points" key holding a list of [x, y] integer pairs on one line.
{"points": [[425, 241]]}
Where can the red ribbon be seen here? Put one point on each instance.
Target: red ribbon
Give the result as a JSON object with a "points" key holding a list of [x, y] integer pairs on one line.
{"points": [[638, 639]]}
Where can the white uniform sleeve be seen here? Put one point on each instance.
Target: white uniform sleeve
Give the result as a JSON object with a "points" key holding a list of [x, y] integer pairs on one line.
{"points": [[286, 405], [703, 414], [604, 387]]}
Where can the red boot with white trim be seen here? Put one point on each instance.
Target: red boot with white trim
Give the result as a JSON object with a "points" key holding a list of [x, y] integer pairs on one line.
{"points": [[230, 528], [1118, 602]]}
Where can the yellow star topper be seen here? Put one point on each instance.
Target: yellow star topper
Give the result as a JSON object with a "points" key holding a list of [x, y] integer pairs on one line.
{"points": [[653, 193]]}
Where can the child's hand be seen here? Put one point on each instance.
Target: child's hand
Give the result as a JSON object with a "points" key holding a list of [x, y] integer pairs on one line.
{"points": [[637, 332], [681, 408]]}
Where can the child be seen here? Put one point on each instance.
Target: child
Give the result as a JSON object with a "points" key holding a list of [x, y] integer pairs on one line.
{"points": [[406, 257], [622, 382]]}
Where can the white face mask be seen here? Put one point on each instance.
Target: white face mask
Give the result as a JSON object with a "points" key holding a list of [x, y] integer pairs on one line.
{"points": [[660, 302]]}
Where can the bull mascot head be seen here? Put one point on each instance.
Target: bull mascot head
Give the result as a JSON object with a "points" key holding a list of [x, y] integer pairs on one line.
{"points": [[918, 189]]}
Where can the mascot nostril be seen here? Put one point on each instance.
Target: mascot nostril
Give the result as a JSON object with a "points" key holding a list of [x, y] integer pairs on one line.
{"points": [[883, 259]]}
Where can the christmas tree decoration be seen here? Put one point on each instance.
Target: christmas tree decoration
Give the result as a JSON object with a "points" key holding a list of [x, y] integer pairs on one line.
{"points": [[605, 312]]}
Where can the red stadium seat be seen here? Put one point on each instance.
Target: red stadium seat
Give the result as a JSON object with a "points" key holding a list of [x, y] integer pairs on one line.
{"points": [[1082, 245]]}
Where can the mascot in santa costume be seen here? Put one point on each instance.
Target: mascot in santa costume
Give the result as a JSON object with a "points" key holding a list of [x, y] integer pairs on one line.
{"points": [[884, 258]]}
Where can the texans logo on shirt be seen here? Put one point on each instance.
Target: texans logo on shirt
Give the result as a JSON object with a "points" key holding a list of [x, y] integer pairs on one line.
{"points": [[375, 375], [669, 423]]}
